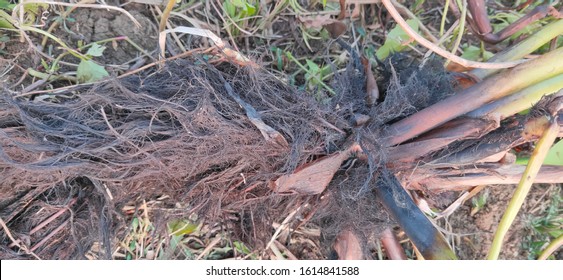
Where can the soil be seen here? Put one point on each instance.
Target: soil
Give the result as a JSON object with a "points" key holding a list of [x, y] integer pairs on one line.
{"points": [[93, 25], [476, 232], [88, 26]]}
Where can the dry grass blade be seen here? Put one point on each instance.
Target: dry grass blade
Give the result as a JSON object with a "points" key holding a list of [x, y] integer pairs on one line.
{"points": [[14, 241], [20, 5], [284, 226], [229, 53], [421, 40], [210, 247]]}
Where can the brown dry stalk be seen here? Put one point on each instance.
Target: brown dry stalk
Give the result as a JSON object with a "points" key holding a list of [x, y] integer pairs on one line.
{"points": [[439, 181], [16, 242], [393, 248]]}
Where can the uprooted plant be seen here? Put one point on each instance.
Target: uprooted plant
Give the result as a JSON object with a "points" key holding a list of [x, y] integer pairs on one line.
{"points": [[232, 141]]}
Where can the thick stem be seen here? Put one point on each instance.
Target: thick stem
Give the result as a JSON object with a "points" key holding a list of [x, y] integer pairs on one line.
{"points": [[520, 101], [476, 96], [429, 241], [527, 46], [436, 181]]}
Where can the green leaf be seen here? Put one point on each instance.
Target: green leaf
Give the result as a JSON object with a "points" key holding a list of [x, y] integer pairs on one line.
{"points": [[88, 71], [395, 41], [5, 20], [5, 4], [241, 248], [230, 8], [96, 50], [250, 9], [134, 224], [555, 154], [181, 227], [44, 64], [313, 67], [474, 53], [471, 53]]}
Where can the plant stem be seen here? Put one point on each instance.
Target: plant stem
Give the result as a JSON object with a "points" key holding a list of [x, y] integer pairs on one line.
{"points": [[290, 56], [520, 101], [503, 84], [165, 15], [532, 169], [422, 233], [421, 40], [437, 181], [527, 46], [460, 31], [554, 245], [56, 61], [444, 15]]}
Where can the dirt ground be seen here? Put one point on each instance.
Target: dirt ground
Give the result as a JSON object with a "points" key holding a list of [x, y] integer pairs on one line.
{"points": [[472, 235], [476, 232]]}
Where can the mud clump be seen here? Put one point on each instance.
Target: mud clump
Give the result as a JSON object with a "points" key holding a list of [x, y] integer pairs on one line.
{"points": [[93, 25]]}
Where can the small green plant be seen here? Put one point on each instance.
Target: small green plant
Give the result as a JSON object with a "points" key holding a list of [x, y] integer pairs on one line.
{"points": [[239, 11], [479, 202], [137, 244], [396, 41], [89, 71], [31, 12], [314, 74], [544, 228]]}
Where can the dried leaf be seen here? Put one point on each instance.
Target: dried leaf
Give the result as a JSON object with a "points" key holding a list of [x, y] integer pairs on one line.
{"points": [[316, 22], [312, 178], [372, 90], [347, 246], [229, 53], [464, 80]]}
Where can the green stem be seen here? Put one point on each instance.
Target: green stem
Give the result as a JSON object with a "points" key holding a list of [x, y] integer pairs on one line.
{"points": [[558, 242], [520, 101], [460, 30], [52, 37], [504, 84], [444, 15], [165, 15], [49, 77], [527, 46], [532, 169], [56, 61]]}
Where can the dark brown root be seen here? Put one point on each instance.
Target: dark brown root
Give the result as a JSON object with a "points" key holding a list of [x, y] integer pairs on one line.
{"points": [[174, 132]]}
